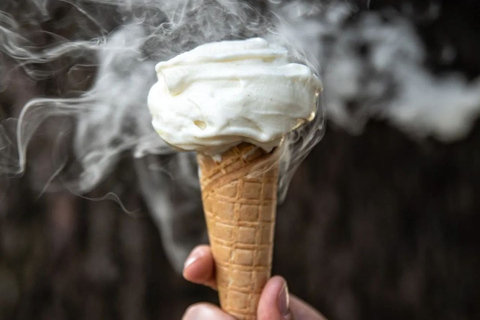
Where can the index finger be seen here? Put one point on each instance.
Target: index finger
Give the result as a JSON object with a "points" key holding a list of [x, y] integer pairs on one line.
{"points": [[200, 268]]}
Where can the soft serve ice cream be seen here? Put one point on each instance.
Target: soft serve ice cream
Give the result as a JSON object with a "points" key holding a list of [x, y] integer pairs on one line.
{"points": [[233, 102], [223, 93]]}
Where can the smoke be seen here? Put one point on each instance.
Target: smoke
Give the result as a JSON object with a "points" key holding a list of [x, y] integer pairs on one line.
{"points": [[110, 116], [373, 66], [120, 41], [92, 62]]}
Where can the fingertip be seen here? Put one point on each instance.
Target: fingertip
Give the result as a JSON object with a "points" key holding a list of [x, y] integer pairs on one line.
{"points": [[195, 262], [274, 301], [199, 267]]}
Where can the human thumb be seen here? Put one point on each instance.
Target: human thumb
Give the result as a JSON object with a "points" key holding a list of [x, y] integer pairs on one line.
{"points": [[274, 302]]}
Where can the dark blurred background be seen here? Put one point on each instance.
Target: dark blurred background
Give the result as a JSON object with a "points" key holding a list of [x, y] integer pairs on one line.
{"points": [[376, 225]]}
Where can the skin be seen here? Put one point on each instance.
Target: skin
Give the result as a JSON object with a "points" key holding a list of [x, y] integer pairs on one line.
{"points": [[275, 302]]}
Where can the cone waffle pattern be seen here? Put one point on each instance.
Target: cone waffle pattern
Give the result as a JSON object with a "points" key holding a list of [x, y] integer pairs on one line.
{"points": [[240, 213]]}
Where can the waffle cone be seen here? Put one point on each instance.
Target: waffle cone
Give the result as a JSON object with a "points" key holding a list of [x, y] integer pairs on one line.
{"points": [[239, 193]]}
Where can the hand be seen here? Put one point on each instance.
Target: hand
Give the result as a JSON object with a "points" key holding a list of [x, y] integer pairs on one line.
{"points": [[275, 301]]}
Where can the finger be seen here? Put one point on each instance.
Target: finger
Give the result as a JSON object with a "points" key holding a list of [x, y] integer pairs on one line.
{"points": [[199, 267], [274, 302], [205, 311], [303, 311]]}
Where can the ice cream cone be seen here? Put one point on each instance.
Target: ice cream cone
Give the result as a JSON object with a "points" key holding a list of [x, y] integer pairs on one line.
{"points": [[239, 193]]}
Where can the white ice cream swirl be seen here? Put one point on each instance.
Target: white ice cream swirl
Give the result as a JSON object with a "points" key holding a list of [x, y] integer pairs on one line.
{"points": [[223, 93]]}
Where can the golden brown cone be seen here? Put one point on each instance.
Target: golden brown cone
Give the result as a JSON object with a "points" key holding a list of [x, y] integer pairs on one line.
{"points": [[239, 199]]}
